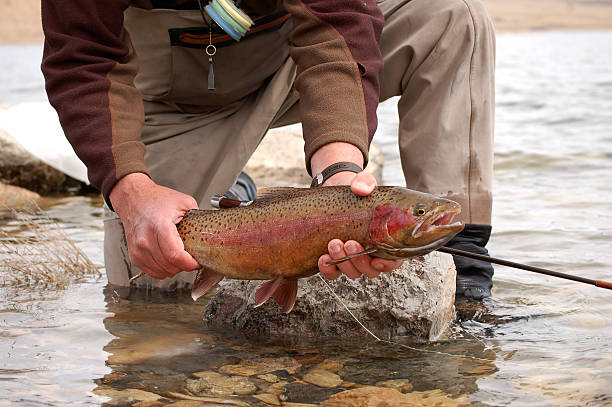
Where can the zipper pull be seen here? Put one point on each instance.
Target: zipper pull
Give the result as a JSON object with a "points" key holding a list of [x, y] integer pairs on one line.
{"points": [[211, 70]]}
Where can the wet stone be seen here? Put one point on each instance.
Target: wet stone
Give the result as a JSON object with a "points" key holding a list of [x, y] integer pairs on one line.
{"points": [[148, 404], [270, 378], [297, 392], [268, 398], [17, 198], [20, 168], [310, 359], [213, 383], [415, 302], [261, 366], [402, 385], [186, 403], [120, 397], [375, 396], [322, 378], [330, 365], [151, 382], [278, 388]]}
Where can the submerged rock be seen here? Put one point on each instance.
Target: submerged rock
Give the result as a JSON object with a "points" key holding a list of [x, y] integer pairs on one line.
{"points": [[322, 378], [213, 383], [122, 397], [414, 301], [268, 398], [261, 366], [380, 396], [402, 385]]}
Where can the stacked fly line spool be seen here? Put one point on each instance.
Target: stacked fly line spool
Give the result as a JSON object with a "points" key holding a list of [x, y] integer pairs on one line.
{"points": [[229, 17]]}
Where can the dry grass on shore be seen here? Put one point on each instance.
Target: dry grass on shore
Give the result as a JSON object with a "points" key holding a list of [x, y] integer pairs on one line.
{"points": [[34, 250]]}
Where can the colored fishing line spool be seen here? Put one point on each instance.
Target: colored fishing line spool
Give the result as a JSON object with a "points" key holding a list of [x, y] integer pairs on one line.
{"points": [[237, 14], [230, 18]]}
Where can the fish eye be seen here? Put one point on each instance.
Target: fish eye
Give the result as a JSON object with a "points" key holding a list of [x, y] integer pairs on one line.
{"points": [[420, 210]]}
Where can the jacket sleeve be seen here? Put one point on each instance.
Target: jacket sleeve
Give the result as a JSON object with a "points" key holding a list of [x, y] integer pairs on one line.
{"points": [[89, 68], [336, 46]]}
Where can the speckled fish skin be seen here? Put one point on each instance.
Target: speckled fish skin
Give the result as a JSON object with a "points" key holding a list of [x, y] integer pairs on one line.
{"points": [[284, 236]]}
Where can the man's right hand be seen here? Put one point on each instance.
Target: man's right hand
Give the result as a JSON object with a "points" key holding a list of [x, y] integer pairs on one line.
{"points": [[149, 213]]}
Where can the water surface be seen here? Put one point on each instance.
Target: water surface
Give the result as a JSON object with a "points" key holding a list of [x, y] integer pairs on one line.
{"points": [[538, 341]]}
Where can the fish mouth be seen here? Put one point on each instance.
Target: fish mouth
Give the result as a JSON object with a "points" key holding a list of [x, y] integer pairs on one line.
{"points": [[390, 252], [438, 222]]}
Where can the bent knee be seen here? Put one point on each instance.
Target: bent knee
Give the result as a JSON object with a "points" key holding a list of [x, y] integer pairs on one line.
{"points": [[469, 15]]}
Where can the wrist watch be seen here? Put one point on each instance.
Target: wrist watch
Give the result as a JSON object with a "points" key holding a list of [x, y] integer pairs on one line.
{"points": [[333, 169]]}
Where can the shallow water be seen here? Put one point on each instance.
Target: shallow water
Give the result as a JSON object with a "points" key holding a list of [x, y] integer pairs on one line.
{"points": [[539, 341]]}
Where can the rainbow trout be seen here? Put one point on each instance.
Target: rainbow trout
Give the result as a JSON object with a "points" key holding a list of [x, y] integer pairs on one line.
{"points": [[281, 236]]}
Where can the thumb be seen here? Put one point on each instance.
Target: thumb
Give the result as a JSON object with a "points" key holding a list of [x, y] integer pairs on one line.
{"points": [[363, 184]]}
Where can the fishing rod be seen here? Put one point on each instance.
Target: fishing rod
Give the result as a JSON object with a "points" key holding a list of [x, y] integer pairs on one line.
{"points": [[488, 259]]}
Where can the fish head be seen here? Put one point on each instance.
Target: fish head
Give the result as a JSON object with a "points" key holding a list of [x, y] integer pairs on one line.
{"points": [[410, 223]]}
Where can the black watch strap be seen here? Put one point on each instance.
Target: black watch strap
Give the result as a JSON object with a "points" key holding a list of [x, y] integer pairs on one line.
{"points": [[333, 169]]}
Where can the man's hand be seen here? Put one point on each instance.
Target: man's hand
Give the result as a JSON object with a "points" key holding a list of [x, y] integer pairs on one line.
{"points": [[361, 184], [149, 213]]}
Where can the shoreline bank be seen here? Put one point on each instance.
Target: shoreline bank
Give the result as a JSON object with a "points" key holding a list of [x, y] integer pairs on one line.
{"points": [[20, 20]]}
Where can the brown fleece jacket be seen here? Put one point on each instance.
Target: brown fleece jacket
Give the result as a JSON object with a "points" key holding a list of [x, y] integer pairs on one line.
{"points": [[89, 67]]}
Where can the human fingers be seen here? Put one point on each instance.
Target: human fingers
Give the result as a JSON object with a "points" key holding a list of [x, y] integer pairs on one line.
{"points": [[144, 248], [337, 251], [173, 251], [330, 271], [386, 265], [360, 263], [143, 260], [363, 184]]}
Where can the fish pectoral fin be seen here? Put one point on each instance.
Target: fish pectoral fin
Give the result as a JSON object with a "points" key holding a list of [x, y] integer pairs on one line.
{"points": [[338, 261], [204, 281], [285, 294], [266, 290]]}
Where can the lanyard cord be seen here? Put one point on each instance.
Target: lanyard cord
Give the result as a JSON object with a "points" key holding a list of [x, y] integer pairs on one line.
{"points": [[203, 15]]}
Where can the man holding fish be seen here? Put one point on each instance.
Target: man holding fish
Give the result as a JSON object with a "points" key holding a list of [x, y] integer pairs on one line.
{"points": [[165, 108]]}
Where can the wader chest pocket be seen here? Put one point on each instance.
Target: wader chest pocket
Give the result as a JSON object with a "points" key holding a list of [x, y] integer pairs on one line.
{"points": [[240, 68]]}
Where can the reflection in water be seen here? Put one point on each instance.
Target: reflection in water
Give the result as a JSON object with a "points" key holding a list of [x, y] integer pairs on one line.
{"points": [[550, 339], [160, 342]]}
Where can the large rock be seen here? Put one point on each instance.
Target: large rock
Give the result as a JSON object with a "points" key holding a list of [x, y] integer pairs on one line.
{"points": [[279, 160], [415, 301], [13, 197], [20, 168]]}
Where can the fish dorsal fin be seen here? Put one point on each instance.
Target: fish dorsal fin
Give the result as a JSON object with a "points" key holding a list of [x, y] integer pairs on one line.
{"points": [[266, 290], [204, 281], [267, 193], [285, 294], [338, 261]]}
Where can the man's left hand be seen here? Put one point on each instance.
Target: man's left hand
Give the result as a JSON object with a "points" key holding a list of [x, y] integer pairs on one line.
{"points": [[362, 184]]}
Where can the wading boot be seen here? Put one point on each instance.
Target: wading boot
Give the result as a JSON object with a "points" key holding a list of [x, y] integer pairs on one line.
{"points": [[474, 277], [244, 189]]}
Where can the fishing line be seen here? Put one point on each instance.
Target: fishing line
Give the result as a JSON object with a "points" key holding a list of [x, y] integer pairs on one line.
{"points": [[396, 343]]}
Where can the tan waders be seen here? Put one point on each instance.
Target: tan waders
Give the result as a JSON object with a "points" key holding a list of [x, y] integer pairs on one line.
{"points": [[438, 55]]}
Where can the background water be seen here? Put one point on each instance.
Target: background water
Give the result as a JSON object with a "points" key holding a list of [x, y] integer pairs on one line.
{"points": [[547, 341]]}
